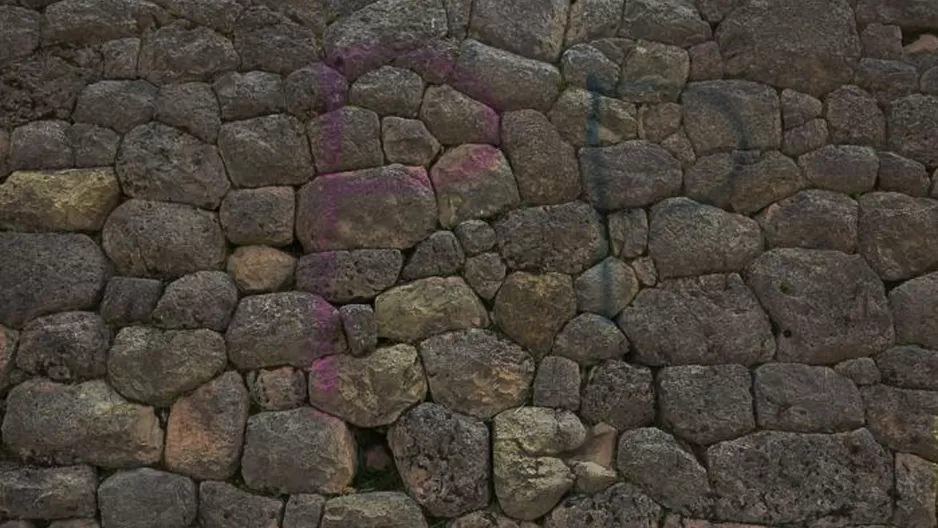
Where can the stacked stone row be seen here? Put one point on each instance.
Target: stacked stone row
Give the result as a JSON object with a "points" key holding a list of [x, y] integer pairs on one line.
{"points": [[468, 263]]}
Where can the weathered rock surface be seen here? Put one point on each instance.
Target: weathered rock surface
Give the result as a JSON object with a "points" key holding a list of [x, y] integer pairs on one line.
{"points": [[204, 299], [619, 394], [68, 200], [125, 495], [911, 122], [621, 504], [427, 307], [908, 367], [806, 399], [898, 234], [67, 346], [632, 174], [455, 118], [544, 165], [847, 169], [192, 107], [182, 52], [261, 269], [590, 338], [346, 139], [588, 119], [263, 151], [743, 181], [902, 419], [222, 505], [732, 114], [440, 254], [344, 276], [811, 219], [471, 182], [380, 509], [408, 141], [706, 404], [531, 308], [48, 493], [278, 389], [914, 308], [606, 288], [266, 39], [503, 80], [129, 300], [258, 216], [388, 91], [533, 28]]}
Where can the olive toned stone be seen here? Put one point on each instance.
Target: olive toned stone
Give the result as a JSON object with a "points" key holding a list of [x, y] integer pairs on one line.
{"points": [[68, 200]]}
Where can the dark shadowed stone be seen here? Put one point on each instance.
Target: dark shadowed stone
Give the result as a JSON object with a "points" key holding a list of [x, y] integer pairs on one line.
{"points": [[278, 389], [361, 328], [250, 94], [628, 232], [619, 505], [743, 181], [65, 200], [303, 510], [916, 490], [222, 505], [589, 338], [882, 41], [370, 391], [408, 141], [485, 519], [775, 477], [382, 31], [847, 169], [77, 22], [908, 14], [674, 22], [567, 238], [854, 117], [187, 359], [344, 276], [902, 175], [169, 500], [687, 238], [205, 429], [158, 162], [653, 73], [606, 288], [710, 319], [258, 216], [314, 90], [191, 107], [828, 306], [557, 384], [475, 236], [806, 399], [120, 58], [52, 423], [269, 150], [440, 255], [477, 373], [898, 234], [809, 46], [706, 63], [811, 219], [388, 207], [8, 341], [120, 105], [619, 394], [909, 367], [444, 459], [889, 80], [585, 66], [72, 275], [273, 439], [380, 509], [204, 299], [48, 493], [473, 181], [706, 404], [128, 300], [220, 15], [593, 19], [388, 91], [485, 274], [346, 139], [654, 461], [183, 51], [805, 138], [426, 307], [163, 239], [588, 119], [41, 145], [70, 523], [291, 328], [531, 308], [903, 419], [92, 145], [503, 80], [268, 40], [66, 346], [732, 114], [862, 371], [632, 174], [532, 28], [454, 118], [912, 124], [915, 305], [19, 28]]}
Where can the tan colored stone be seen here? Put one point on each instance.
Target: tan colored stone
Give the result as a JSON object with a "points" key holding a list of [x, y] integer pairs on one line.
{"points": [[600, 446], [428, 306], [260, 269], [67, 200]]}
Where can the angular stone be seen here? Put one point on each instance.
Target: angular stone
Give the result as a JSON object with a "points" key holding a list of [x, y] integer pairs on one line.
{"points": [[20, 29], [314, 90], [220, 15], [123, 497], [854, 117], [531, 28], [731, 114], [557, 384], [444, 459], [619, 394], [273, 439], [250, 94], [589, 339], [278, 389], [454, 118], [620, 503], [659, 121], [585, 66], [882, 41], [82, 22], [805, 138], [120, 105], [628, 232], [904, 13], [503, 80], [766, 478], [475, 236], [346, 139], [344, 276], [828, 306], [687, 238], [163, 239], [743, 181], [388, 207], [566, 238], [93, 146], [593, 19], [675, 22], [182, 52], [380, 32], [68, 200], [8, 341], [436, 59], [902, 419], [811, 219], [473, 181], [912, 121], [120, 58], [261, 269], [485, 519], [706, 404], [41, 145], [706, 63], [158, 162], [589, 119], [408, 141], [204, 299], [475, 372], [485, 274], [361, 328], [388, 91], [303, 510], [654, 461], [128, 300], [269, 150], [381, 509], [71, 523], [909, 367], [426, 307], [48, 493], [653, 73], [889, 80], [711, 319], [258, 216], [72, 275], [606, 288], [291, 328], [917, 490], [440, 255], [809, 47], [914, 308], [903, 175], [531, 308], [268, 40], [798, 108], [89, 422], [898, 234], [862, 371], [67, 346], [371, 391], [801, 398], [191, 107], [222, 505]]}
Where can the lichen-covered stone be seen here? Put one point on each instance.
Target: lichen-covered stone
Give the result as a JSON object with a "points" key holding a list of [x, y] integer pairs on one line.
{"points": [[120, 105], [916, 490], [473, 181], [631, 174], [388, 91], [619, 394], [346, 139], [731, 114], [898, 234], [66, 346], [261, 269], [380, 509], [120, 58], [503, 80], [68, 200], [674, 22], [92, 145], [628, 232], [806, 399], [426, 307], [314, 90], [455, 118], [89, 22], [593, 19], [743, 181], [590, 338], [262, 151], [183, 52], [532, 308], [900, 174], [124, 496], [47, 493], [706, 404], [277, 389], [585, 66], [41, 145], [222, 505], [346, 276]]}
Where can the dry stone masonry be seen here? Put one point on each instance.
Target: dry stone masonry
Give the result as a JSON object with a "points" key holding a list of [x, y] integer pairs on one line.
{"points": [[468, 263]]}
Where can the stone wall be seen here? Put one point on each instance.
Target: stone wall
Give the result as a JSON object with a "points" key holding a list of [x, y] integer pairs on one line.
{"points": [[468, 263]]}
